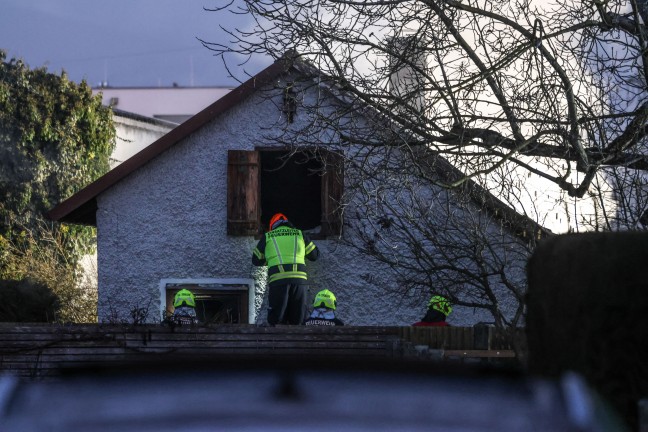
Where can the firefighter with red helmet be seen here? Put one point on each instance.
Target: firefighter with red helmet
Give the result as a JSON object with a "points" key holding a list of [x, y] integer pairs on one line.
{"points": [[284, 249]]}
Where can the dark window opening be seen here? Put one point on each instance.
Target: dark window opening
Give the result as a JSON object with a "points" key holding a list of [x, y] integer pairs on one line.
{"points": [[215, 306], [266, 181], [292, 185]]}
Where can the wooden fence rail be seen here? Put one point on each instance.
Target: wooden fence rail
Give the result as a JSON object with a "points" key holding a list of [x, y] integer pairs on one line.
{"points": [[41, 350]]}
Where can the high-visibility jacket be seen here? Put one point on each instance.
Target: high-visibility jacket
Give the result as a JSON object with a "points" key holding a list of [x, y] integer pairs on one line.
{"points": [[285, 250]]}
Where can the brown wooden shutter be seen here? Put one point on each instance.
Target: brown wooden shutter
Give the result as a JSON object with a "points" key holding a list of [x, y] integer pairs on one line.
{"points": [[243, 204], [332, 190]]}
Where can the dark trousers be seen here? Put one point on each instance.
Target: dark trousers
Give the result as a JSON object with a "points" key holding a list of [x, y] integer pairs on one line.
{"points": [[287, 304]]}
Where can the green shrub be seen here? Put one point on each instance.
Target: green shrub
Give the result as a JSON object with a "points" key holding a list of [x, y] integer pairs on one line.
{"points": [[27, 301], [43, 262]]}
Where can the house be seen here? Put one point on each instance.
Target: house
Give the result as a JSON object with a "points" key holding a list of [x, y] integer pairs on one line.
{"points": [[186, 212]]}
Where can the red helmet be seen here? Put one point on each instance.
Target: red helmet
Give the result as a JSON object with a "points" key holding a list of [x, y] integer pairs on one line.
{"points": [[277, 217]]}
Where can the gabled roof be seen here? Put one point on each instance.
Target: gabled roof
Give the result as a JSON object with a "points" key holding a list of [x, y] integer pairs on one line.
{"points": [[81, 208]]}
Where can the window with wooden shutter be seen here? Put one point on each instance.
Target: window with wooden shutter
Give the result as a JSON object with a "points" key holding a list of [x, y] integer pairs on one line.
{"points": [[306, 186], [332, 189], [243, 209]]}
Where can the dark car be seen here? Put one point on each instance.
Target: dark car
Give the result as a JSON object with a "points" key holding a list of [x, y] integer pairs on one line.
{"points": [[276, 395]]}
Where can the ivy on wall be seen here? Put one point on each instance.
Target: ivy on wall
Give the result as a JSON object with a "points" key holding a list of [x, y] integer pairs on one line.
{"points": [[55, 138]]}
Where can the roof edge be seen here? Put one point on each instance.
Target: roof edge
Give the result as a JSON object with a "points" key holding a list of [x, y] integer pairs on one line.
{"points": [[80, 202], [520, 225]]}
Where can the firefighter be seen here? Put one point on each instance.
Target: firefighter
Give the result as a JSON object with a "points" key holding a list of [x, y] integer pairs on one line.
{"points": [[184, 303], [438, 310], [324, 310], [284, 249]]}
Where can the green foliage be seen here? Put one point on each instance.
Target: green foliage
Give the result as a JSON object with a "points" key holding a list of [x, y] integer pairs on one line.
{"points": [[42, 261], [55, 138]]}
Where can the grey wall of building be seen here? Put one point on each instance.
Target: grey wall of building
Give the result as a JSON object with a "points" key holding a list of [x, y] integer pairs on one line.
{"points": [[167, 220]]}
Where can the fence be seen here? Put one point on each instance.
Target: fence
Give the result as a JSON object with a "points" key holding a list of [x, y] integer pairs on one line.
{"points": [[40, 350]]}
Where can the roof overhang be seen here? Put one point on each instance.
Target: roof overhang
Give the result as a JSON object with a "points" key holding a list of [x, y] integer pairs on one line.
{"points": [[81, 208]]}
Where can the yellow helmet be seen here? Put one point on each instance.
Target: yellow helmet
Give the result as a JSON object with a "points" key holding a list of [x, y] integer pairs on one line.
{"points": [[184, 297], [441, 304], [325, 298]]}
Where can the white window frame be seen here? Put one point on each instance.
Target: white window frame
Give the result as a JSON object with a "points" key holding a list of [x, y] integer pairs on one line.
{"points": [[217, 284]]}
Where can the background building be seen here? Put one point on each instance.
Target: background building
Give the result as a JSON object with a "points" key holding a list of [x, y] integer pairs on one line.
{"points": [[173, 104]]}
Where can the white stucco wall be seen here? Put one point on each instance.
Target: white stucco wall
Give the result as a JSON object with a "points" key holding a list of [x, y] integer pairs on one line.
{"points": [[134, 133], [167, 220]]}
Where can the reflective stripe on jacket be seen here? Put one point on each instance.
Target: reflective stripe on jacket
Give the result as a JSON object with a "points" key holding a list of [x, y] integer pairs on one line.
{"points": [[284, 250], [285, 245]]}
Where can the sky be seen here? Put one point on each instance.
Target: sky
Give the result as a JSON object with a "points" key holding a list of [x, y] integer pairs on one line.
{"points": [[126, 43]]}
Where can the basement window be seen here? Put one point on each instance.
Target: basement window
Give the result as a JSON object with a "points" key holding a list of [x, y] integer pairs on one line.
{"points": [[306, 186], [218, 301]]}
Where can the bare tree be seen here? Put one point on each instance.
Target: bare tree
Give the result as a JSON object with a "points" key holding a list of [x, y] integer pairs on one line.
{"points": [[502, 90], [462, 243], [484, 82]]}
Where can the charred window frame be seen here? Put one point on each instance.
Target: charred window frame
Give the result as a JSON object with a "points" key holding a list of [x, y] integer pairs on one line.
{"points": [[307, 186]]}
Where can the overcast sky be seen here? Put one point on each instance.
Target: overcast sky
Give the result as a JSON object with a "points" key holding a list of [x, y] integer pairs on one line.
{"points": [[124, 42]]}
